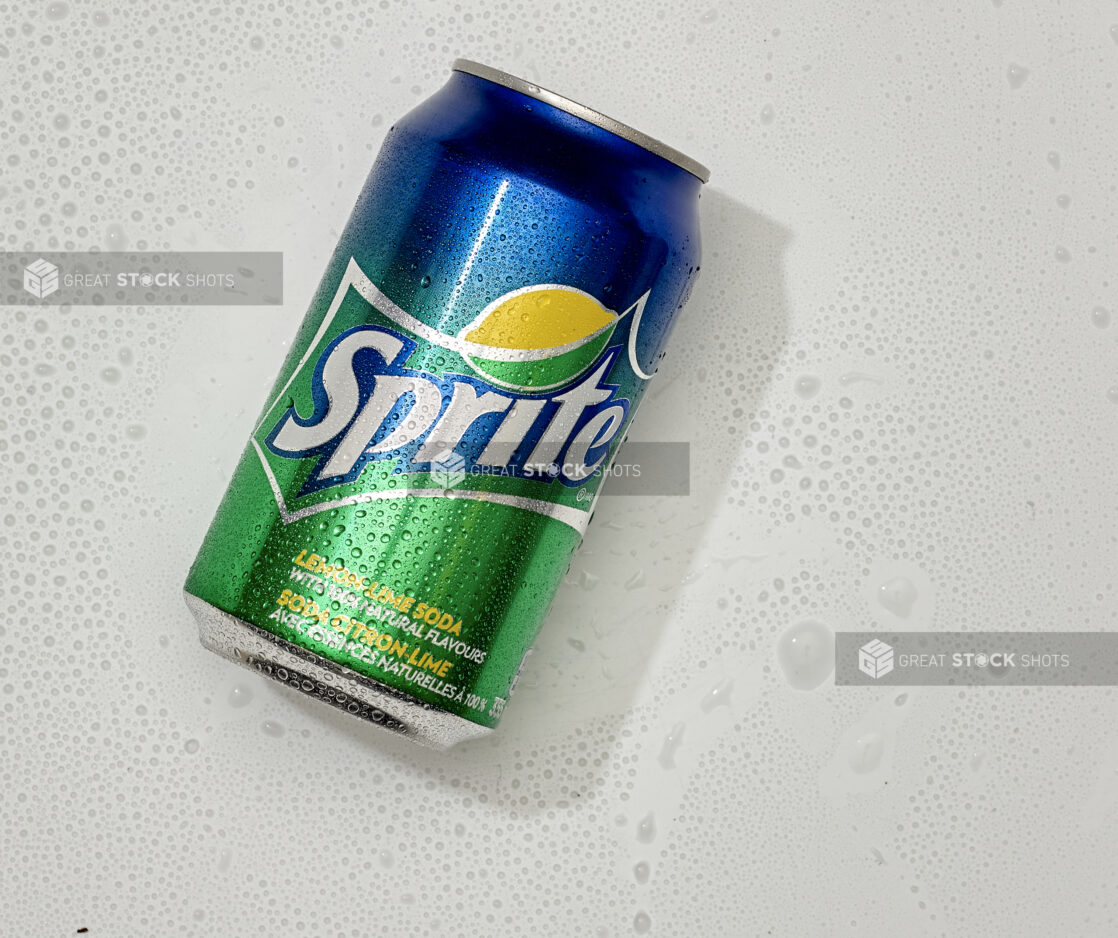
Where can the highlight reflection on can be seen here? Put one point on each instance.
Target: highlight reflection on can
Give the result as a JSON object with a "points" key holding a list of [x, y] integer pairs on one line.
{"points": [[430, 455]]}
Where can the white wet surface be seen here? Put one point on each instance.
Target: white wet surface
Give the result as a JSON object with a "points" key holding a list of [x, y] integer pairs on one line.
{"points": [[899, 377]]}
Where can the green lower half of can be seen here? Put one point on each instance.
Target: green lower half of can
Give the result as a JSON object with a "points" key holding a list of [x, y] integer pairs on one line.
{"points": [[397, 610]]}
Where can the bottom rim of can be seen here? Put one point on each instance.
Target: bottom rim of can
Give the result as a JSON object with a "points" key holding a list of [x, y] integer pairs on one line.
{"points": [[259, 650]]}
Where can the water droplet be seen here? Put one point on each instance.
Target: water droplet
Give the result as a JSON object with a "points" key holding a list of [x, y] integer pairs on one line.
{"points": [[1053, 159], [191, 746], [642, 871], [853, 377], [636, 581], [865, 755], [271, 728], [806, 654], [115, 238], [646, 829], [642, 924], [1063, 201], [110, 375], [425, 282], [240, 696], [1112, 394], [767, 114], [897, 596], [671, 744], [57, 11], [1100, 316], [1016, 75], [386, 858], [718, 696], [1063, 255], [976, 760], [136, 431], [807, 386]]}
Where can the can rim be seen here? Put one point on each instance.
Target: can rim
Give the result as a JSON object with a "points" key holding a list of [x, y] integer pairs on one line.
{"points": [[661, 149]]}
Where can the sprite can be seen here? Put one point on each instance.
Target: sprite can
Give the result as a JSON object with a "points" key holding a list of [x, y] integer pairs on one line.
{"points": [[431, 452]]}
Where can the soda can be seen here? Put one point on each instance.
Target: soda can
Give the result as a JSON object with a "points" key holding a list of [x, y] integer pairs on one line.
{"points": [[428, 459]]}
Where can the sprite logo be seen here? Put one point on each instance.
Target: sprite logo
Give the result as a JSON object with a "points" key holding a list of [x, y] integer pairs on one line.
{"points": [[524, 404]]}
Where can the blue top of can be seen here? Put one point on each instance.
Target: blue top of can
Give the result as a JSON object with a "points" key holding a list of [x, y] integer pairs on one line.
{"points": [[694, 167]]}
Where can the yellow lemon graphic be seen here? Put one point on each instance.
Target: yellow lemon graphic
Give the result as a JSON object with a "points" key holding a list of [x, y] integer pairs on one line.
{"points": [[538, 337]]}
